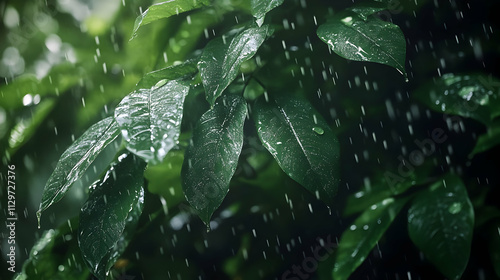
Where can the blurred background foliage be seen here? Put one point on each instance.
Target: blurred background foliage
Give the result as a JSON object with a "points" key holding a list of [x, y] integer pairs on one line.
{"points": [[66, 64]]}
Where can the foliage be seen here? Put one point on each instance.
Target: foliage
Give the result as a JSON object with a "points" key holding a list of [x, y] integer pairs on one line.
{"points": [[234, 117]]}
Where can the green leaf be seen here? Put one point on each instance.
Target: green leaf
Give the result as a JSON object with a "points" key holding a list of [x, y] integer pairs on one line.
{"points": [[76, 159], [56, 256], [360, 238], [222, 57], [116, 201], [164, 10], [440, 224], [260, 8], [301, 142], [471, 96], [169, 73], [24, 130], [150, 119], [211, 160], [373, 40], [488, 140], [367, 9]]}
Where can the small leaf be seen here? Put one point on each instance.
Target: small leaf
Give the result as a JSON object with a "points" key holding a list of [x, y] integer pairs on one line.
{"points": [[56, 256], [488, 140], [373, 40], [150, 119], [164, 10], [260, 8], [285, 126], [76, 159], [220, 61], [440, 224], [211, 160], [471, 96], [24, 130], [169, 73], [116, 201], [367, 9], [359, 239]]}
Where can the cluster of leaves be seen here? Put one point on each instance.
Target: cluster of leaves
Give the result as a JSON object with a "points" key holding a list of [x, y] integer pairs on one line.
{"points": [[232, 78]]}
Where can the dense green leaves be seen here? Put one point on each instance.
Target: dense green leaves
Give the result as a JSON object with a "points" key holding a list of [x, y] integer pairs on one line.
{"points": [[352, 37], [440, 223], [116, 202], [470, 96], [164, 10], [150, 119], [261, 7], [222, 57], [211, 160], [76, 159], [301, 142], [360, 238]]}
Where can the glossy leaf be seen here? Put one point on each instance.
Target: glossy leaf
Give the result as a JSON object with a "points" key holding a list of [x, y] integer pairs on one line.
{"points": [[470, 96], [164, 10], [488, 140], [211, 160], [150, 119], [56, 256], [359, 239], [441, 222], [151, 79], [260, 8], [301, 142], [373, 40], [221, 58], [116, 201], [76, 159], [24, 130], [367, 9]]}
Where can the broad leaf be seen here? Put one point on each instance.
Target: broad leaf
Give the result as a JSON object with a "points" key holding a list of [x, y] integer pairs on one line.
{"points": [[56, 256], [116, 202], [441, 222], [301, 142], [260, 8], [150, 119], [221, 58], [374, 40], [359, 239], [76, 159], [24, 130], [164, 10], [151, 79], [470, 96], [211, 160], [488, 140]]}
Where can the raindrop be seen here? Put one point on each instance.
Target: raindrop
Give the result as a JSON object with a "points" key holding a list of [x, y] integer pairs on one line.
{"points": [[318, 130], [455, 208]]}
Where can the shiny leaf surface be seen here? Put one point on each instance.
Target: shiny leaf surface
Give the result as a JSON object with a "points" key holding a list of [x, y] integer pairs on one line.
{"points": [[151, 79], [115, 202], [221, 58], [441, 222], [371, 40], [211, 160], [260, 8], [150, 119], [76, 159], [301, 142]]}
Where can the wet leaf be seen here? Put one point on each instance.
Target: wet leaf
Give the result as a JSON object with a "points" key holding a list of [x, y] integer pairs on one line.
{"points": [[24, 130], [441, 222], [285, 126], [150, 119], [56, 256], [116, 202], [151, 79], [488, 140], [260, 8], [367, 9], [359, 239], [221, 58], [371, 40], [211, 160], [471, 96], [76, 159], [164, 10]]}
